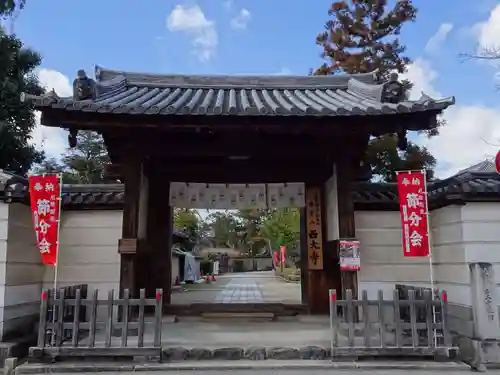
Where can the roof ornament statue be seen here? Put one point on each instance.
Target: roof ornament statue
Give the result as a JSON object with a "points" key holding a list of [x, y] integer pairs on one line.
{"points": [[393, 91], [83, 87]]}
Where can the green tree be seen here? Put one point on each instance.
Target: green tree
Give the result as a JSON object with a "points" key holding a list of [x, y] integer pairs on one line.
{"points": [[360, 37], [8, 8], [88, 159], [249, 231], [281, 227], [385, 158], [189, 220], [224, 229], [83, 164], [17, 118], [51, 165]]}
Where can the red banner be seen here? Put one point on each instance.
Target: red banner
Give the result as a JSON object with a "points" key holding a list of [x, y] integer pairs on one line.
{"points": [[275, 258], [414, 213], [45, 195], [283, 253]]}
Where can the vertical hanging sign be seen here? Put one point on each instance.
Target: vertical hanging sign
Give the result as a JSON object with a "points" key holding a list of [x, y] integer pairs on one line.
{"points": [[414, 213], [45, 197], [314, 228]]}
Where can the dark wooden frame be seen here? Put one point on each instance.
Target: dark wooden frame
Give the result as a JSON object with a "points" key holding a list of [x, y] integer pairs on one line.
{"points": [[227, 149]]}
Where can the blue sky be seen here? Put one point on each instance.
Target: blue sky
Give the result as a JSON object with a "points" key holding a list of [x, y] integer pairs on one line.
{"points": [[270, 37]]}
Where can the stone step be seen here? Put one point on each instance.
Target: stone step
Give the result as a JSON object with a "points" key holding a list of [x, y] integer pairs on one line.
{"points": [[264, 366], [238, 316]]}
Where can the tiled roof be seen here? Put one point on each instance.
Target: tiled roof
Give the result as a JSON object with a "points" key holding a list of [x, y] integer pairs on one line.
{"points": [[464, 186], [478, 185], [343, 95]]}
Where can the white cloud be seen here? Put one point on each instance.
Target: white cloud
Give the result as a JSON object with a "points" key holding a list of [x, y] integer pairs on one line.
{"points": [[191, 21], [471, 133], [52, 140], [488, 32], [422, 75], [240, 22], [435, 42]]}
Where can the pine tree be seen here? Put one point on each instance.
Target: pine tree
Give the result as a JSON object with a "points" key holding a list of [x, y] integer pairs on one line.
{"points": [[83, 164], [361, 37], [17, 118]]}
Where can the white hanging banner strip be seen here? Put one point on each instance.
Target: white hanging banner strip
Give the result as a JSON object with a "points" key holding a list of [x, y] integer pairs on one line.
{"points": [[241, 192], [212, 197], [252, 197], [178, 194], [283, 198], [222, 196], [192, 196], [295, 195], [196, 193], [237, 196], [232, 193], [273, 195]]}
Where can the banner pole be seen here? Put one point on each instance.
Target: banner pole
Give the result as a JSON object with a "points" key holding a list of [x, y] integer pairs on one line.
{"points": [[56, 265], [431, 267]]}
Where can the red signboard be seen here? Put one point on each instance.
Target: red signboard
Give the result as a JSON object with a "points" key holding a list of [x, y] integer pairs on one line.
{"points": [[414, 213], [45, 195], [497, 162]]}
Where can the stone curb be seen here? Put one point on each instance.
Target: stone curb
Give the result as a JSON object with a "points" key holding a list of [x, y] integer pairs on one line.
{"points": [[240, 365], [287, 281]]}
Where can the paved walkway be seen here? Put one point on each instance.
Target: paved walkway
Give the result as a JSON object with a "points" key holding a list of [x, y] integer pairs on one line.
{"points": [[241, 289], [245, 287]]}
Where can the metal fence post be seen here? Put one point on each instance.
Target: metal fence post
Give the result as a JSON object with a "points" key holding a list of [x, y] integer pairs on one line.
{"points": [[158, 316], [333, 319], [42, 323]]}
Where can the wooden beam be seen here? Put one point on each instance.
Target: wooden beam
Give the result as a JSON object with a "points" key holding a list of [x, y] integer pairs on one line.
{"points": [[244, 171], [379, 124], [223, 145]]}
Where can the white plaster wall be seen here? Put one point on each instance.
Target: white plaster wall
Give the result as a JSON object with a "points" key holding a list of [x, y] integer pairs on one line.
{"points": [[481, 236], [383, 264], [89, 251], [23, 274]]}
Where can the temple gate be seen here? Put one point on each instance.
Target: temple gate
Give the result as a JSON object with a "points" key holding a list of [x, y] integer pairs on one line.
{"points": [[161, 129]]}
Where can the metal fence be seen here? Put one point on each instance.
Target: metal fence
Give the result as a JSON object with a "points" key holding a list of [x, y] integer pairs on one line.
{"points": [[120, 333], [376, 328]]}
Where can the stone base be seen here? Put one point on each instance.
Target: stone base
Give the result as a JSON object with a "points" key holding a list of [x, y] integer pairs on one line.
{"points": [[18, 348], [244, 365], [480, 355]]}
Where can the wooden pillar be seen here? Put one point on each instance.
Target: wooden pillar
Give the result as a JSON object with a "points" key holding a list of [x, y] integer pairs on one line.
{"points": [[346, 172], [159, 234], [304, 273], [317, 286], [133, 225]]}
